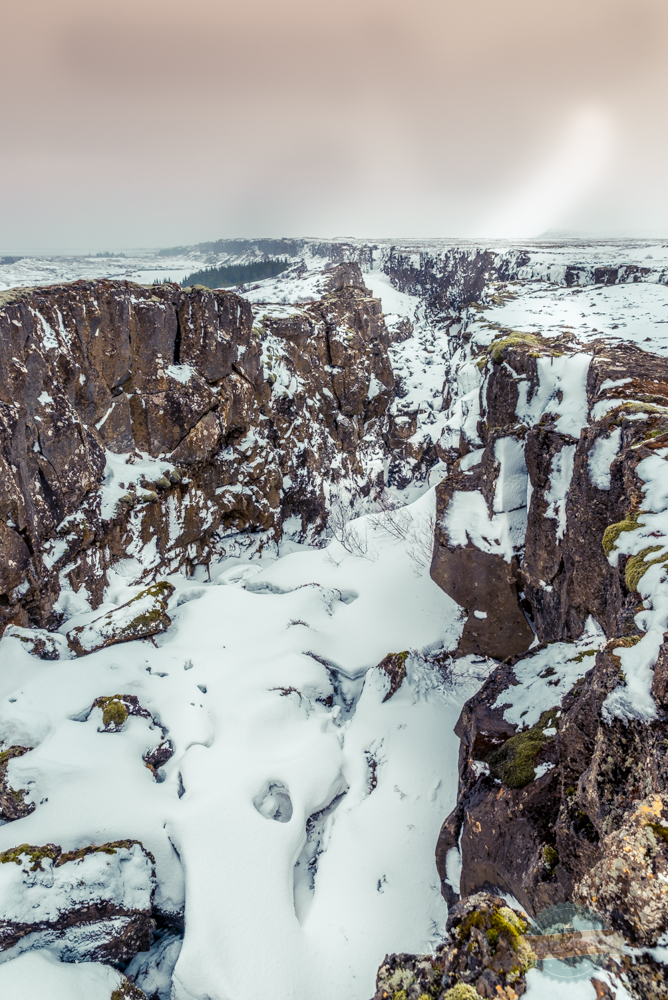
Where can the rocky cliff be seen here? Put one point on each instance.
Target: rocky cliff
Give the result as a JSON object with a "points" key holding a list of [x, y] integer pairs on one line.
{"points": [[228, 425]]}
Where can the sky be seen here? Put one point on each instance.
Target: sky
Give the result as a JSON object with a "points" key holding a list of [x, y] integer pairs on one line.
{"points": [[146, 123]]}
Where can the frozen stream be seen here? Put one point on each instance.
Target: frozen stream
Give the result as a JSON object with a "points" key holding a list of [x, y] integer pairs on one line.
{"points": [[299, 813]]}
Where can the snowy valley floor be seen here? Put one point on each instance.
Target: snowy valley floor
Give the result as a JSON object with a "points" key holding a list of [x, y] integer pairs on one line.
{"points": [[298, 815]]}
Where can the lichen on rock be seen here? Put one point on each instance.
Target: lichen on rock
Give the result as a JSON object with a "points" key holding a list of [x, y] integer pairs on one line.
{"points": [[514, 762], [485, 954], [12, 803], [141, 617]]}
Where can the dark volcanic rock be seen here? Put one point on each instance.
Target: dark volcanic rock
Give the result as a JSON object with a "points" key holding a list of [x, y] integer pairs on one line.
{"points": [[12, 804], [248, 420]]}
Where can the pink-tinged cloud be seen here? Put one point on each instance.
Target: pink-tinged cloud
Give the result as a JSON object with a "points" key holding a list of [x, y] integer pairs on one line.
{"points": [[149, 123]]}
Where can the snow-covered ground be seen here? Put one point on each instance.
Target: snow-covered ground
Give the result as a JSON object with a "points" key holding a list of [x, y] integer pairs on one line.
{"points": [[636, 312], [298, 816]]}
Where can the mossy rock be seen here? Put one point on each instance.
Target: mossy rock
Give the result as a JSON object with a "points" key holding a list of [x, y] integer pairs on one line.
{"points": [[514, 761], [116, 708], [550, 857], [513, 339], [128, 991], [659, 831], [581, 656], [394, 665], [123, 624], [114, 714], [637, 565], [36, 855], [613, 531]]}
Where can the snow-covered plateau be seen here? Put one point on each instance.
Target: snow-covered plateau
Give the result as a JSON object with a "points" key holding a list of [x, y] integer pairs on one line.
{"points": [[333, 617]]}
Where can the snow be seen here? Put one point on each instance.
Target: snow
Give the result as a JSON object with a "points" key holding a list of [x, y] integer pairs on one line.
{"points": [[561, 473], [562, 390], [123, 470], [123, 878], [181, 373], [467, 520], [574, 983], [546, 676], [636, 312], [601, 458], [26, 977], [633, 699], [511, 484], [394, 302], [266, 686]]}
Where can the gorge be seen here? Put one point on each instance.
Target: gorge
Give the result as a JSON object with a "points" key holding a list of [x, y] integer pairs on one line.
{"points": [[334, 612]]}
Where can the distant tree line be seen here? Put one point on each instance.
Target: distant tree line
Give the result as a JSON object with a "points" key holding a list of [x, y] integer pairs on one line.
{"points": [[236, 274]]}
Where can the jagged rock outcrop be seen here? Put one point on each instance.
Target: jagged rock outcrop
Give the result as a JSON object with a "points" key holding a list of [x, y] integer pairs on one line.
{"points": [[560, 801], [226, 423]]}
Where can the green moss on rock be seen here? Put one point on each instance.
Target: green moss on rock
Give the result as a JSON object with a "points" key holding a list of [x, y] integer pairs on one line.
{"points": [[550, 857], [659, 831], [637, 565], [114, 714], [613, 531], [513, 339], [514, 761]]}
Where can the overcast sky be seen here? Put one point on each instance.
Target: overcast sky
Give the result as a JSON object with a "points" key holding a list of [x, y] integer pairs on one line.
{"points": [[159, 122]]}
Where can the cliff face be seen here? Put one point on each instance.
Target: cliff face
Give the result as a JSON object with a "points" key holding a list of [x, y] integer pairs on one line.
{"points": [[228, 426], [562, 774]]}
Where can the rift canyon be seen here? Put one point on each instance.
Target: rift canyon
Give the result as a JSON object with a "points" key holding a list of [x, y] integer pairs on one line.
{"points": [[334, 623]]}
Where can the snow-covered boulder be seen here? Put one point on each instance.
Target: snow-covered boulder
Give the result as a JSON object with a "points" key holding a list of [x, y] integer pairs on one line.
{"points": [[93, 903], [142, 616]]}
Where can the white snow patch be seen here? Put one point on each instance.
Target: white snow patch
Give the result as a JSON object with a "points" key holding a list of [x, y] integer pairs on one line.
{"points": [[181, 373], [544, 678], [601, 457], [561, 473], [38, 975], [467, 520], [562, 390]]}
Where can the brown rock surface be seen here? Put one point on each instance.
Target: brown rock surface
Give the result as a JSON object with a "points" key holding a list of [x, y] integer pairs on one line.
{"points": [[262, 413]]}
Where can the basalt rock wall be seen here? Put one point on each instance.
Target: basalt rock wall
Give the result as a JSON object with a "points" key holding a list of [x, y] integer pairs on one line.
{"points": [[226, 425], [571, 806]]}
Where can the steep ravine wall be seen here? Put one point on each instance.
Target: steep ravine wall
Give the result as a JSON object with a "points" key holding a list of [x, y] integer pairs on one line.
{"points": [[563, 792], [227, 427]]}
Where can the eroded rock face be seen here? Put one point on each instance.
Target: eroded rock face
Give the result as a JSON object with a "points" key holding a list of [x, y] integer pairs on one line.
{"points": [[249, 420], [92, 904], [557, 808]]}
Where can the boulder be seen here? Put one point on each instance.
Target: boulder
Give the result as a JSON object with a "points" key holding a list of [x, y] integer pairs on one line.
{"points": [[141, 617]]}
